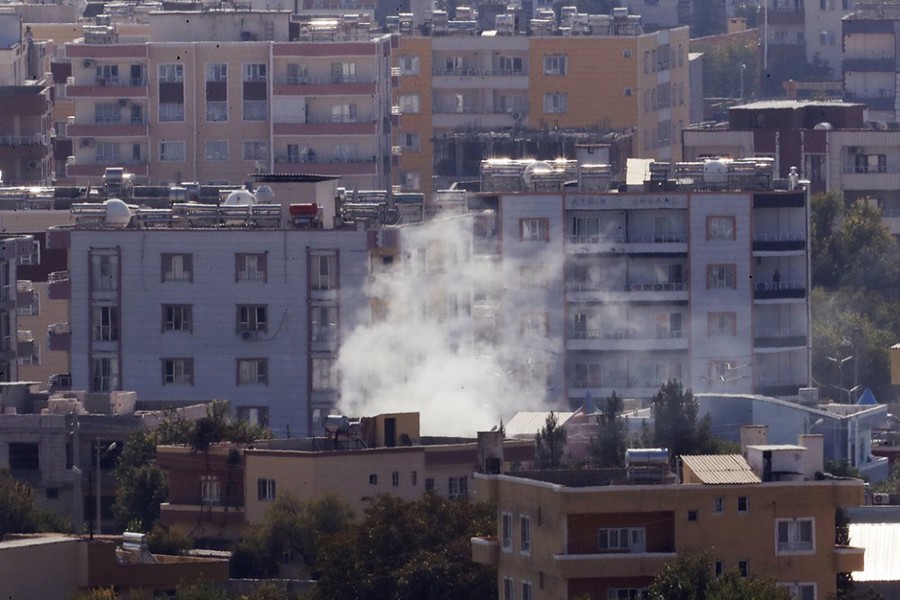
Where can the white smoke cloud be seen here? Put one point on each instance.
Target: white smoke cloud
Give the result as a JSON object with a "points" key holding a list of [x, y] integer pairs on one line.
{"points": [[425, 353]]}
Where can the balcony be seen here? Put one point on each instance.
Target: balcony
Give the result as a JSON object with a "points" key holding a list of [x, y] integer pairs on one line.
{"points": [[24, 294], [485, 551], [107, 87], [478, 79], [627, 292], [848, 559], [38, 139], [25, 343], [302, 85], [361, 125], [59, 336], [59, 286], [335, 166], [779, 339], [60, 381], [782, 290], [874, 178], [114, 128], [779, 242], [587, 339], [97, 166], [629, 244], [579, 388], [591, 566]]}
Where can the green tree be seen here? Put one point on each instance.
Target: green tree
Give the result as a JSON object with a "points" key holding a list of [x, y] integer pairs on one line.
{"points": [[20, 514], [550, 443], [676, 425], [608, 448], [288, 539], [408, 551], [723, 71], [690, 577]]}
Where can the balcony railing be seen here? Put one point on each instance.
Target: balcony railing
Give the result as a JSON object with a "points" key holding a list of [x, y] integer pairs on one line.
{"points": [[24, 140], [476, 72], [293, 159], [589, 286], [863, 169], [779, 237], [667, 238], [322, 79], [605, 334], [780, 289], [120, 81], [779, 338]]}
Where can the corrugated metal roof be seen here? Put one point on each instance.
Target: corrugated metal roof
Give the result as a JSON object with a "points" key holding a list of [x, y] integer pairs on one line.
{"points": [[527, 424], [882, 550], [720, 469]]}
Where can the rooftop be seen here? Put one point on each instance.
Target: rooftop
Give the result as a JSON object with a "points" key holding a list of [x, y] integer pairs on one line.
{"points": [[720, 469]]}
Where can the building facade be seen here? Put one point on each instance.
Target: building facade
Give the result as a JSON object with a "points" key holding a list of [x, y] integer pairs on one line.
{"points": [[870, 59], [256, 92], [251, 313], [461, 88]]}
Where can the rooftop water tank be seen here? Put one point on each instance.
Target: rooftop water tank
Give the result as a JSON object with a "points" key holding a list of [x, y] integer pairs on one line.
{"points": [[240, 198], [118, 214]]}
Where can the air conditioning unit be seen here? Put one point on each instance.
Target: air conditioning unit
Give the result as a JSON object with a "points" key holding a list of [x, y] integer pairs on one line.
{"points": [[87, 63], [248, 335], [85, 142], [123, 102], [32, 164], [881, 498]]}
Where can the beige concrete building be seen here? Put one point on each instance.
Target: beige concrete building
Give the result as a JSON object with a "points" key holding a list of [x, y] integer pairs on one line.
{"points": [[599, 535], [464, 91], [216, 95]]}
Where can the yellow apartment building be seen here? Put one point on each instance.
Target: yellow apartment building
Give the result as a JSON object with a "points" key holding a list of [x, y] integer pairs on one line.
{"points": [[460, 88], [590, 534]]}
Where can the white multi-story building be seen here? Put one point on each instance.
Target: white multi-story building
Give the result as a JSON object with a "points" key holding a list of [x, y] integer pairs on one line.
{"points": [[215, 95], [704, 281], [251, 313]]}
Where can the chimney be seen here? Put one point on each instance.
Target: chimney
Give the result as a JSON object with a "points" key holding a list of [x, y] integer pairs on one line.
{"points": [[490, 452], [753, 435], [814, 457]]}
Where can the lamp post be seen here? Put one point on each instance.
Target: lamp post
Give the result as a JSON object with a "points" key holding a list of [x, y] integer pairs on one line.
{"points": [[840, 363], [743, 70], [109, 448]]}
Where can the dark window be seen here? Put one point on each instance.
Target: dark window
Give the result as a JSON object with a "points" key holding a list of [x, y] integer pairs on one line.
{"points": [[24, 456], [373, 479], [743, 568], [52, 493], [692, 515], [429, 484], [742, 504]]}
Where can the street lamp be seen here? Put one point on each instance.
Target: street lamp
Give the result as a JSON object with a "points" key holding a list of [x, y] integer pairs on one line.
{"points": [[109, 448], [840, 363]]}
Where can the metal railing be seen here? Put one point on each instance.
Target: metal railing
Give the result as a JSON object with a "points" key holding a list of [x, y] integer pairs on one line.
{"points": [[774, 286], [38, 139], [476, 72], [669, 238], [574, 286], [604, 334], [779, 237]]}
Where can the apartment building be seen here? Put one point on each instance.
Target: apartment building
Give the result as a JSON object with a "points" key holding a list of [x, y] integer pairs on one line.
{"points": [[801, 32], [206, 301], [702, 278], [26, 155], [606, 534], [356, 460], [466, 94], [256, 91], [870, 59], [828, 142]]}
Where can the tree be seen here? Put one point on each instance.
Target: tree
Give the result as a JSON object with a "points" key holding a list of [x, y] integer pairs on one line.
{"points": [[550, 443], [676, 426], [608, 448], [690, 577], [409, 550], [18, 512], [289, 537]]}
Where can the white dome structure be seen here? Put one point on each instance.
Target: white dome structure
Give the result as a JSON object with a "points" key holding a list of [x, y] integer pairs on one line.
{"points": [[240, 198], [118, 214]]}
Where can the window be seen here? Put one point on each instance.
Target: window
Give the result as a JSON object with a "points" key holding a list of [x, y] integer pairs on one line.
{"points": [[458, 488], [210, 489], [106, 323], [171, 151], [827, 38], [256, 150], [410, 142], [627, 92], [534, 230], [105, 374], [533, 324], [625, 594], [107, 112], [171, 73], [587, 375], [217, 72], [265, 489], [395, 479], [177, 317], [106, 152], [177, 267], [718, 505], [255, 110], [631, 539], [250, 267], [251, 317], [216, 110], [107, 75], [720, 228], [324, 374], [743, 505], [525, 531], [345, 153], [373, 479], [171, 111], [554, 64], [254, 415], [323, 323], [255, 72], [104, 272], [719, 568], [800, 591], [343, 72], [556, 103], [507, 534], [409, 104], [721, 324], [743, 568], [414, 478], [343, 113], [252, 370], [794, 535], [24, 456], [178, 370], [297, 73], [526, 591], [409, 65], [626, 53], [216, 150], [692, 516], [429, 484], [720, 276], [324, 272], [509, 589]]}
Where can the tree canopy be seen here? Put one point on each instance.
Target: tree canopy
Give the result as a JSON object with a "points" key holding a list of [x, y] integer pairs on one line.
{"points": [[408, 551], [607, 450], [691, 577], [18, 511], [676, 424], [550, 443]]}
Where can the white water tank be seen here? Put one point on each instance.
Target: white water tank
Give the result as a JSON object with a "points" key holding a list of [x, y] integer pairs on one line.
{"points": [[118, 215], [240, 198], [715, 172]]}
